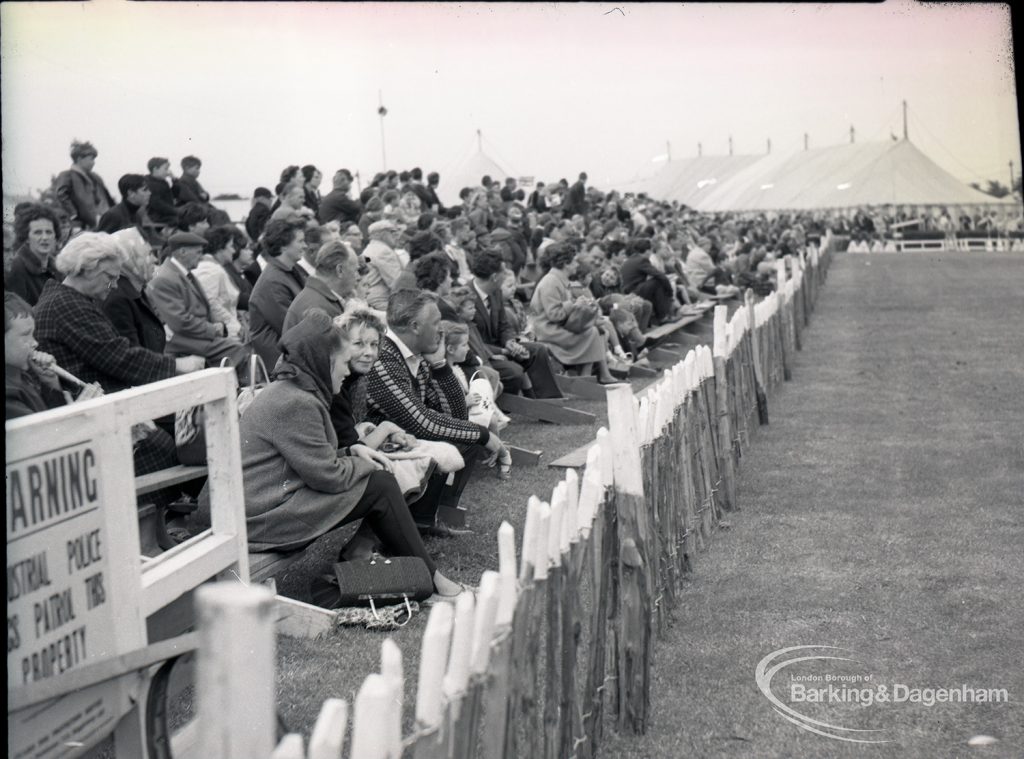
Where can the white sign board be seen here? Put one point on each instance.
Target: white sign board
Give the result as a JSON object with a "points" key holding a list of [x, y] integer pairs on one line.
{"points": [[60, 611], [77, 589]]}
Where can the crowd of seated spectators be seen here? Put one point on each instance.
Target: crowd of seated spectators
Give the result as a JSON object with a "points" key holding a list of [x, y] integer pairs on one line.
{"points": [[375, 314]]}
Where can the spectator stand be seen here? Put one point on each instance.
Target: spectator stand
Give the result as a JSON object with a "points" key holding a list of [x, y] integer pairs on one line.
{"points": [[110, 616]]}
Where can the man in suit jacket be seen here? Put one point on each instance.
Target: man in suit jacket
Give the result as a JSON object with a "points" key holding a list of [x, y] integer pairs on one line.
{"points": [[179, 300], [509, 356], [334, 278], [412, 385]]}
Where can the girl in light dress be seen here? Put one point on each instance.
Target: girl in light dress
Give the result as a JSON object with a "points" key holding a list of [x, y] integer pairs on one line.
{"points": [[481, 410]]}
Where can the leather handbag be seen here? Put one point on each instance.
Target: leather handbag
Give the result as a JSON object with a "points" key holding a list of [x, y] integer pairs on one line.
{"points": [[373, 581]]}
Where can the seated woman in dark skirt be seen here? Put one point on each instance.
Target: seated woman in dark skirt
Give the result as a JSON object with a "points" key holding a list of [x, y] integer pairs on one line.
{"points": [[298, 483]]}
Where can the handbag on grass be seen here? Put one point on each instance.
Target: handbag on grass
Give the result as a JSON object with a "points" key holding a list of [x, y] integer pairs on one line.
{"points": [[369, 582]]}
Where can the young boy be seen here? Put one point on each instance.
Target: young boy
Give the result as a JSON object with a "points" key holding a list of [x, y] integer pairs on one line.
{"points": [[482, 411]]}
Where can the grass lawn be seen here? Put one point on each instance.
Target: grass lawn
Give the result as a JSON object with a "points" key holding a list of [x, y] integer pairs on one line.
{"points": [[882, 513]]}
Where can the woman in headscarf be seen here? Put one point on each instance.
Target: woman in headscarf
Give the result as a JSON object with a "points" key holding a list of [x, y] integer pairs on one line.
{"points": [[298, 483]]}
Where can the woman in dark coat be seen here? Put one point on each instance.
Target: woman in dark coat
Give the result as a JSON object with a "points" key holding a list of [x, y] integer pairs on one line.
{"points": [[298, 483], [127, 305]]}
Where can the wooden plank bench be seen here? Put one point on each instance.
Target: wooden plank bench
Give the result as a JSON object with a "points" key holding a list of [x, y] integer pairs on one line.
{"points": [[175, 475], [542, 411], [582, 387]]}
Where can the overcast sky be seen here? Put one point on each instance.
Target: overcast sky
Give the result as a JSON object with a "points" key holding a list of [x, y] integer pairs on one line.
{"points": [[556, 89]]}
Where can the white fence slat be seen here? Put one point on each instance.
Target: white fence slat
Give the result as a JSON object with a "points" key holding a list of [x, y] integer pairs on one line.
{"points": [[457, 676], [328, 737], [369, 739], [433, 656], [391, 670], [290, 747], [483, 628], [235, 673]]}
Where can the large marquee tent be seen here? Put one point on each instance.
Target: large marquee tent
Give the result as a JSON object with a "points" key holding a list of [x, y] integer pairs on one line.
{"points": [[843, 176]]}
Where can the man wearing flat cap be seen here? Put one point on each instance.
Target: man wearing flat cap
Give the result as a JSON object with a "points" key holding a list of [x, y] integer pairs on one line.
{"points": [[181, 304], [383, 264]]}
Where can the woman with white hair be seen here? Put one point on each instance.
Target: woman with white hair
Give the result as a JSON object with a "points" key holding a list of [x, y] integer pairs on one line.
{"points": [[71, 323], [126, 305], [72, 326]]}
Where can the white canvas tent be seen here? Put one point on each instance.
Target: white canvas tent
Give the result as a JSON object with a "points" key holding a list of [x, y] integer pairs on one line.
{"points": [[468, 174], [841, 176]]}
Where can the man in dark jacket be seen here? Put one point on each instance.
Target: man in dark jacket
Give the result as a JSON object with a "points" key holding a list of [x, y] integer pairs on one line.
{"points": [[131, 211], [576, 198], [187, 189], [337, 205], [509, 356], [434, 203], [161, 208], [640, 277], [334, 278], [80, 190]]}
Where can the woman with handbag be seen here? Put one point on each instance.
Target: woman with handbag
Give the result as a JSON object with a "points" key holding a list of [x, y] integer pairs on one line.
{"points": [[298, 484], [567, 325]]}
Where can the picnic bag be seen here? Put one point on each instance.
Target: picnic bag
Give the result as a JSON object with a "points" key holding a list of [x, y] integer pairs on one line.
{"points": [[483, 412], [189, 429], [371, 581]]}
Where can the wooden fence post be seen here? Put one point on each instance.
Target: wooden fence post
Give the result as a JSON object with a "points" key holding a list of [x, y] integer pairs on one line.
{"points": [[290, 747], [531, 707], [328, 737], [727, 462], [434, 653], [235, 672], [391, 670], [594, 500], [456, 679], [483, 633], [500, 693], [762, 398], [571, 559], [370, 739], [553, 635], [634, 578]]}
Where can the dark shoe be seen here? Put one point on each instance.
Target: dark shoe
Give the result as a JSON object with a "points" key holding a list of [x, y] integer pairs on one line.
{"points": [[441, 530]]}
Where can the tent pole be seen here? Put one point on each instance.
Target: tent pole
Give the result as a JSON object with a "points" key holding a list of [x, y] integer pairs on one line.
{"points": [[905, 120]]}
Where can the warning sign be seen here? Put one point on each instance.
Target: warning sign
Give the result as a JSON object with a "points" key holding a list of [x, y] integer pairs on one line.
{"points": [[59, 615]]}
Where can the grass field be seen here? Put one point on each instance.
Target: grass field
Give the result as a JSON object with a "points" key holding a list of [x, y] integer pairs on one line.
{"points": [[883, 512]]}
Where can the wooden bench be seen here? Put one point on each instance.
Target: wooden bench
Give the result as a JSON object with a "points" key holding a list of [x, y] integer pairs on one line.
{"points": [[541, 411], [165, 478]]}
